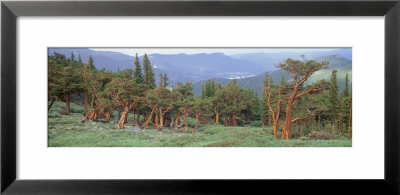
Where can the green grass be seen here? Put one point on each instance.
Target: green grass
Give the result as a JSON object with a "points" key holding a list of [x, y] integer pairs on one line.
{"points": [[68, 131]]}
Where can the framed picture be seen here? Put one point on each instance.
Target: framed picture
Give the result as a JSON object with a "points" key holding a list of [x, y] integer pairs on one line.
{"points": [[199, 97]]}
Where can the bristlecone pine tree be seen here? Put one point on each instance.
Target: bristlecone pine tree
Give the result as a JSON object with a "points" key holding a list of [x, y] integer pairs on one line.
{"points": [[274, 93], [300, 70], [125, 93], [65, 79]]}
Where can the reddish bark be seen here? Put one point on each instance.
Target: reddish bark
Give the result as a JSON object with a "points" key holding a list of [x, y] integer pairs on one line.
{"points": [[286, 131], [197, 123], [178, 117], [121, 121], [234, 120], [108, 116], [149, 116], [216, 116], [67, 105], [275, 115]]}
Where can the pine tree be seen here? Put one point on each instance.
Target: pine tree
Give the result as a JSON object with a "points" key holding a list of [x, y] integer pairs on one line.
{"points": [[161, 83], [264, 111], [91, 64], [346, 90], [203, 91], [165, 80], [79, 59], [345, 107], [272, 96], [334, 97], [283, 80], [69, 81], [148, 78], [125, 94], [138, 71], [266, 80], [72, 56], [301, 71]]}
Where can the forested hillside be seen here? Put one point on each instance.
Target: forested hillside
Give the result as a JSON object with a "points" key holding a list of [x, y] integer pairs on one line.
{"points": [[338, 62], [303, 105]]}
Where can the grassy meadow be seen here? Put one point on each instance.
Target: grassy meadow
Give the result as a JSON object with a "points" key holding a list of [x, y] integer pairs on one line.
{"points": [[69, 131]]}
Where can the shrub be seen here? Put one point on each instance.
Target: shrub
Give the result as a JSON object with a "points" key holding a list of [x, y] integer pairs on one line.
{"points": [[315, 135], [255, 123], [191, 122], [53, 114], [63, 112], [76, 109]]}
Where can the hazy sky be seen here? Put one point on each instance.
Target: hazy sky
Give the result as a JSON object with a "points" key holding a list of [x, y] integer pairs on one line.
{"points": [[226, 51]]}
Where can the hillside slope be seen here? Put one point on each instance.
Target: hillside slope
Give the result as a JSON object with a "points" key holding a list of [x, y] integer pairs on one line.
{"points": [[338, 62]]}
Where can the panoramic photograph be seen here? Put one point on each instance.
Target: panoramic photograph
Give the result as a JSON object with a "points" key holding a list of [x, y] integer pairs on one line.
{"points": [[199, 97]]}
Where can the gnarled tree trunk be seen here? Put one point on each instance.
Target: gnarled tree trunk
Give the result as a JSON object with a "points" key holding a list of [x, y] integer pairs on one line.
{"points": [[178, 117], [216, 116], [51, 103], [275, 115], [286, 131], [121, 121], [149, 117], [197, 123], [67, 106], [107, 116]]}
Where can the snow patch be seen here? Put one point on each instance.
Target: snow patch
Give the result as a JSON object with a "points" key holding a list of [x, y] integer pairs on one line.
{"points": [[241, 77]]}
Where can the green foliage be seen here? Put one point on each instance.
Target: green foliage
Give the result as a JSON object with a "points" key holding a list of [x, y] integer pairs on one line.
{"points": [[300, 68], [80, 59], [124, 91], [233, 100], [209, 88], [68, 131], [59, 108], [149, 79], [165, 80], [333, 96], [134, 92], [138, 75], [65, 77], [91, 64], [255, 123]]}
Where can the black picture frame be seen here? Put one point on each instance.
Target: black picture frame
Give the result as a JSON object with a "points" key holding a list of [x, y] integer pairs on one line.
{"points": [[10, 10]]}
